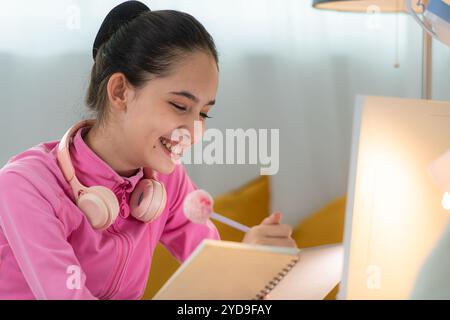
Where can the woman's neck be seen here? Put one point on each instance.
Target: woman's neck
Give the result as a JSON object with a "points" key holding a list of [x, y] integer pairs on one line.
{"points": [[102, 144]]}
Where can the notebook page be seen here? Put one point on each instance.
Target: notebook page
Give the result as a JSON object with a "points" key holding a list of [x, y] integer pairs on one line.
{"points": [[317, 272]]}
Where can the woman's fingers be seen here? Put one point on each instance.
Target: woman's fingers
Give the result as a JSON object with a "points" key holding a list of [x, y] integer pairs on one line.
{"points": [[274, 230], [271, 232], [278, 242], [274, 218]]}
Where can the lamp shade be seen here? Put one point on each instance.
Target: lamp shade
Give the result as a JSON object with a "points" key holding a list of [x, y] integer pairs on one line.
{"points": [[364, 5]]}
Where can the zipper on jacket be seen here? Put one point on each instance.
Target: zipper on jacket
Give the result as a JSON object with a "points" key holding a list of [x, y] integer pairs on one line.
{"points": [[124, 252], [117, 267], [121, 272]]}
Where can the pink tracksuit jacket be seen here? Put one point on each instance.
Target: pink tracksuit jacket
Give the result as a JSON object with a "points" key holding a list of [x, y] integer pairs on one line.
{"points": [[48, 250]]}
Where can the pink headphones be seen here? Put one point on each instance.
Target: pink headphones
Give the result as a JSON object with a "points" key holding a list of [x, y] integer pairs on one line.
{"points": [[100, 204]]}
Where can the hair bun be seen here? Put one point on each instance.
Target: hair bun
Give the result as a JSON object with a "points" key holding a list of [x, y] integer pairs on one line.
{"points": [[124, 12]]}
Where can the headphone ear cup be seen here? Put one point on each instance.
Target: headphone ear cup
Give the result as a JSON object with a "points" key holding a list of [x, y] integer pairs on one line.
{"points": [[148, 200], [100, 206]]}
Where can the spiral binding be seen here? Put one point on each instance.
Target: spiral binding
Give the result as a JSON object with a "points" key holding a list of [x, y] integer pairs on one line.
{"points": [[274, 282]]}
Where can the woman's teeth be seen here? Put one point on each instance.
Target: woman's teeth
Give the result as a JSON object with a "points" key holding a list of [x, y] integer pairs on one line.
{"points": [[175, 149]]}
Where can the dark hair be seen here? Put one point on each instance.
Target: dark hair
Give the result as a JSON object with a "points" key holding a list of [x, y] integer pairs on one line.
{"points": [[145, 48]]}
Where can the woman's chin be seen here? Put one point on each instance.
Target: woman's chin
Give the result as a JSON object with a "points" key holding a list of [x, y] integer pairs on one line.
{"points": [[162, 160], [164, 166]]}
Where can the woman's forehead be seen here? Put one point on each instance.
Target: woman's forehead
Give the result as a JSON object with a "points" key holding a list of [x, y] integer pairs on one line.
{"points": [[197, 77]]}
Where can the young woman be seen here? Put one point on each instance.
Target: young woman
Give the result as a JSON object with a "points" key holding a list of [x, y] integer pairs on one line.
{"points": [[80, 218]]}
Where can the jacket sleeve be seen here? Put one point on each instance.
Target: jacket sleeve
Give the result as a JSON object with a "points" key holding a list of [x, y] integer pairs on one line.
{"points": [[181, 236], [37, 239]]}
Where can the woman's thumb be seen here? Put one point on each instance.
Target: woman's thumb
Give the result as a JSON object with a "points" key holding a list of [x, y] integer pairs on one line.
{"points": [[274, 218]]}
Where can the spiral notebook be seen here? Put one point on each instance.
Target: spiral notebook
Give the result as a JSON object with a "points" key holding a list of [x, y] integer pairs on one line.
{"points": [[228, 270]]}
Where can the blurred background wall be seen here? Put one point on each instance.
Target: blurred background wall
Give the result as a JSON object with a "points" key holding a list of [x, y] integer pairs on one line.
{"points": [[283, 65]]}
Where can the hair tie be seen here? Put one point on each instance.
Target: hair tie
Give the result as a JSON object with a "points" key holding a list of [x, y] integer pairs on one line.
{"points": [[119, 15]]}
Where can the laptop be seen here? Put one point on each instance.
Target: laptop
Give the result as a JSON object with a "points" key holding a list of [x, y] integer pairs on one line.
{"points": [[394, 214]]}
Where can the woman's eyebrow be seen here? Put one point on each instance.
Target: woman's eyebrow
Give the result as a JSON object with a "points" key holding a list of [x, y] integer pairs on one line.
{"points": [[190, 96]]}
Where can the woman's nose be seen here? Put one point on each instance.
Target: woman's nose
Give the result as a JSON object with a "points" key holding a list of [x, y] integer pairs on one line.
{"points": [[188, 134], [181, 135]]}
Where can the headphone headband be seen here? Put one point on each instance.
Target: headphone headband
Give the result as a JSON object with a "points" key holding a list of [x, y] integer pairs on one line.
{"points": [[63, 157]]}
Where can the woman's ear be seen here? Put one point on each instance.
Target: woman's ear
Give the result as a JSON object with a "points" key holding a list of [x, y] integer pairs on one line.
{"points": [[118, 91]]}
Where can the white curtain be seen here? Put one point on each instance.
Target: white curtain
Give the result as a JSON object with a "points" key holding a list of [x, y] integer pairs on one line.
{"points": [[284, 65]]}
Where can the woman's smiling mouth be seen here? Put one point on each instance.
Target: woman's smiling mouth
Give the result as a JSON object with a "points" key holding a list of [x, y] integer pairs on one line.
{"points": [[171, 148]]}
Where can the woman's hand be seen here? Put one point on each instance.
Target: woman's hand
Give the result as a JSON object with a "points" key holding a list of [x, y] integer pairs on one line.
{"points": [[270, 232]]}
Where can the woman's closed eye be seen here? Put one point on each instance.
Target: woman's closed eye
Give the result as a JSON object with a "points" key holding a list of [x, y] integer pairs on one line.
{"points": [[183, 108], [178, 106], [204, 115]]}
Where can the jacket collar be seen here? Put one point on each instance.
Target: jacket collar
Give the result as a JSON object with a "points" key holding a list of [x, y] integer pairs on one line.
{"points": [[91, 170]]}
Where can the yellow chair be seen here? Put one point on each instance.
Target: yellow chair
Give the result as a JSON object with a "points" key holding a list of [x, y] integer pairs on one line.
{"points": [[326, 226]]}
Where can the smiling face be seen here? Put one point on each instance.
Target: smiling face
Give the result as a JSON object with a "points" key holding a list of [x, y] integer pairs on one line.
{"points": [[147, 118]]}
